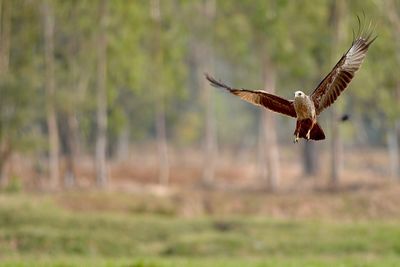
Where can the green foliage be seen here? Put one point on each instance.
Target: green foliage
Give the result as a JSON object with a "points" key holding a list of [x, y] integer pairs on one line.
{"points": [[158, 62]]}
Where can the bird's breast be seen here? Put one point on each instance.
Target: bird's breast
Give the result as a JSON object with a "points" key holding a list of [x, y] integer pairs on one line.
{"points": [[304, 108]]}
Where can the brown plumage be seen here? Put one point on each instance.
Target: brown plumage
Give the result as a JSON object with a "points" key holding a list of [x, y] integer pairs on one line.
{"points": [[306, 108], [259, 97], [340, 76]]}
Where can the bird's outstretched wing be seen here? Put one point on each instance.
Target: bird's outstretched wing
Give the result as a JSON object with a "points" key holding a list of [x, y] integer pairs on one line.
{"points": [[258, 97], [339, 78]]}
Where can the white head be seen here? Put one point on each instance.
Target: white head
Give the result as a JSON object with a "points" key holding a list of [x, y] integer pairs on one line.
{"points": [[299, 94]]}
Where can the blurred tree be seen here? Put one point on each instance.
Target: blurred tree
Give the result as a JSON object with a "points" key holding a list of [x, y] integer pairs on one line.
{"points": [[155, 13], [267, 41], [336, 17], [207, 56], [5, 15], [75, 71], [54, 153], [101, 139], [128, 116], [210, 136], [392, 9], [21, 87], [143, 61], [268, 123], [310, 159], [5, 25]]}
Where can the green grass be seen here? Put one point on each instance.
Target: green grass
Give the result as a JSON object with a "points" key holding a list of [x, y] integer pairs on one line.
{"points": [[36, 231]]}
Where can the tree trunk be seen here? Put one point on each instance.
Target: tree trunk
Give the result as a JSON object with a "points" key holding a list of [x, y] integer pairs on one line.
{"points": [[123, 144], [336, 149], [309, 156], [52, 127], [397, 137], [270, 145], [394, 18], [155, 13], [393, 148], [310, 159], [5, 19], [5, 27], [101, 139], [162, 145], [393, 143], [337, 9], [262, 167], [71, 153], [210, 135], [5, 154]]}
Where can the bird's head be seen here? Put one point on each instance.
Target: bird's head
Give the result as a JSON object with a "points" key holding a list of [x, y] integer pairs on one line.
{"points": [[299, 94]]}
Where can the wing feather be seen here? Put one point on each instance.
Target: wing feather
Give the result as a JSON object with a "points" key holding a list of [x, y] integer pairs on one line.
{"points": [[259, 97], [341, 75]]}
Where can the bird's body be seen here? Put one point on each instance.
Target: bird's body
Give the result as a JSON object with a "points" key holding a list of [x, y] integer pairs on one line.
{"points": [[303, 106], [306, 108], [306, 115]]}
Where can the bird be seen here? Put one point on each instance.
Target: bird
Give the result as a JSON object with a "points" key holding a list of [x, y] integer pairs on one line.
{"points": [[306, 108]]}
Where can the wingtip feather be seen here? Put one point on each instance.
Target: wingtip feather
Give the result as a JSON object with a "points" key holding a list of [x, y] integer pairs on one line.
{"points": [[216, 83], [365, 32]]}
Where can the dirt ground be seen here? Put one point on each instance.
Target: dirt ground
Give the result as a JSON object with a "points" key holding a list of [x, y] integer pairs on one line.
{"points": [[365, 189]]}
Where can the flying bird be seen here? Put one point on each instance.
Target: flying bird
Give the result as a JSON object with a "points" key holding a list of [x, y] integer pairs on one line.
{"points": [[306, 108]]}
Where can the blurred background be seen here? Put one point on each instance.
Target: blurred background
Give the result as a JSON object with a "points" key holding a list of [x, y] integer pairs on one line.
{"points": [[115, 150]]}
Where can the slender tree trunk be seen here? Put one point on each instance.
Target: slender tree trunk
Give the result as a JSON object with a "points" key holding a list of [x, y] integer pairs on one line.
{"points": [[210, 136], [101, 139], [393, 148], [262, 166], [336, 144], [270, 137], [155, 13], [5, 18], [2, 171], [310, 159], [396, 137], [393, 143], [393, 139], [5, 154], [72, 139], [162, 145], [361, 137], [336, 149], [48, 16], [5, 27], [82, 86], [123, 144]]}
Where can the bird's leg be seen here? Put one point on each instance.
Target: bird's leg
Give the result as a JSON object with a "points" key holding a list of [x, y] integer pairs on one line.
{"points": [[308, 134], [296, 138], [297, 132], [309, 130]]}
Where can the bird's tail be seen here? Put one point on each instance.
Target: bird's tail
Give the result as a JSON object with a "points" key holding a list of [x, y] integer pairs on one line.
{"points": [[316, 132]]}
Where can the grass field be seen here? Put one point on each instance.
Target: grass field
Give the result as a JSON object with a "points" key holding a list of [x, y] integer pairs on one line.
{"points": [[39, 231]]}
